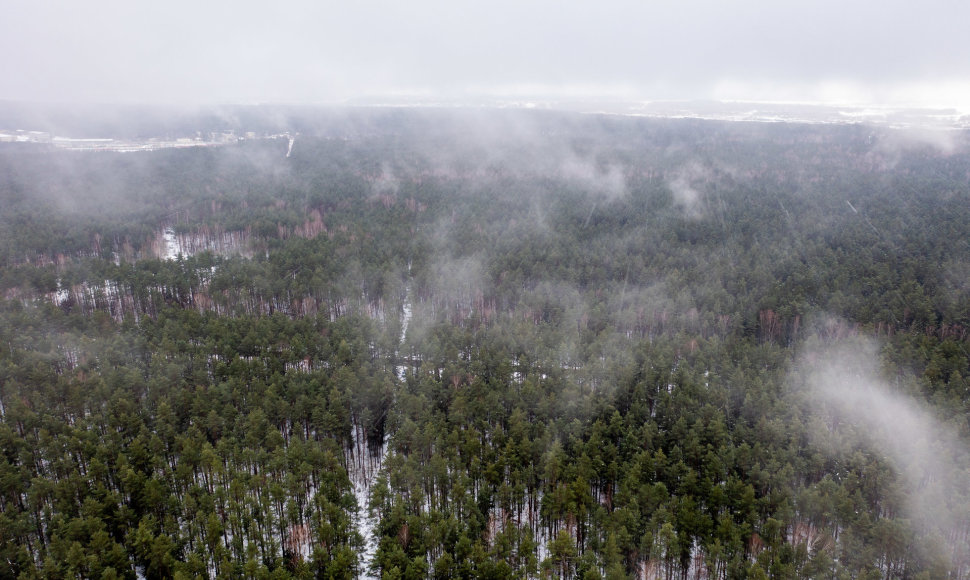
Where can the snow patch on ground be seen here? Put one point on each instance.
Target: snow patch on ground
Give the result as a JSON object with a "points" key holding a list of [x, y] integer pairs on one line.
{"points": [[169, 243], [62, 294], [366, 464], [364, 467], [402, 369], [172, 247]]}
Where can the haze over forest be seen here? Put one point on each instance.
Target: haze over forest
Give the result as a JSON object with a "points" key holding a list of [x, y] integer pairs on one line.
{"points": [[483, 290], [485, 343]]}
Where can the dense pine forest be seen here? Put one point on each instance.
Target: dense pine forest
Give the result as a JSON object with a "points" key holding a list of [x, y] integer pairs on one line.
{"points": [[414, 343]]}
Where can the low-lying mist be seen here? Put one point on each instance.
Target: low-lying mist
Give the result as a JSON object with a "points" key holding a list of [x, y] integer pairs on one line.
{"points": [[862, 409]]}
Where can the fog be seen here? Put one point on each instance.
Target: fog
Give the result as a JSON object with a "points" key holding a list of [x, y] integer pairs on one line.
{"points": [[864, 409], [688, 189], [549, 265]]}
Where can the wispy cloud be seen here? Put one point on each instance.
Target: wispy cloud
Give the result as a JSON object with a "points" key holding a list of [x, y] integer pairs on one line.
{"points": [[862, 409]]}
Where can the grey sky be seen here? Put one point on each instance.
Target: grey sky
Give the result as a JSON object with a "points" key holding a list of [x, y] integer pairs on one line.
{"points": [[179, 51]]}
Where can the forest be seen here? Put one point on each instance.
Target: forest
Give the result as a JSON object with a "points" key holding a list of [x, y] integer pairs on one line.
{"points": [[459, 343]]}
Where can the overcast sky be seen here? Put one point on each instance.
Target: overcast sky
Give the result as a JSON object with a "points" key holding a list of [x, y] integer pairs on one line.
{"points": [[239, 51]]}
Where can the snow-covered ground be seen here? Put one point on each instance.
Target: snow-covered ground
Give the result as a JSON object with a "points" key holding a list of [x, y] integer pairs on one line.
{"points": [[62, 293], [172, 247], [364, 468], [402, 369], [813, 113], [170, 244]]}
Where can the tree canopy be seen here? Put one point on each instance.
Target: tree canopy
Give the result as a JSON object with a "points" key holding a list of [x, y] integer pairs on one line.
{"points": [[487, 344]]}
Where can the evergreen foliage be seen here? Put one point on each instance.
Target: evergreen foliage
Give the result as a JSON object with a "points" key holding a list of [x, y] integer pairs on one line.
{"points": [[521, 345]]}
